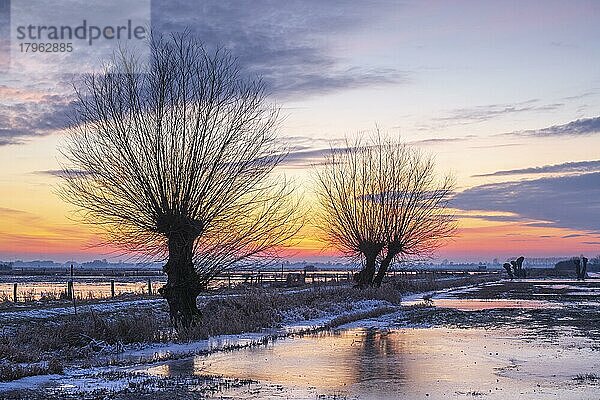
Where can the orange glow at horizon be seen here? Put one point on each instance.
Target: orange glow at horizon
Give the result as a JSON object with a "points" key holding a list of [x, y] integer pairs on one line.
{"points": [[35, 223], [25, 233]]}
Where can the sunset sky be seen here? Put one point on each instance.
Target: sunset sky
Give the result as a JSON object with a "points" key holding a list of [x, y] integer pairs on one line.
{"points": [[505, 94]]}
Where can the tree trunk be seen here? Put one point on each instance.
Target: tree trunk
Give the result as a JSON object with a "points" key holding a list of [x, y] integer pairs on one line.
{"points": [[365, 277], [383, 267], [183, 285]]}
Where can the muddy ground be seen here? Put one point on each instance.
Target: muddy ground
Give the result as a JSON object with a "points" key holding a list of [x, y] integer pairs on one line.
{"points": [[544, 310]]}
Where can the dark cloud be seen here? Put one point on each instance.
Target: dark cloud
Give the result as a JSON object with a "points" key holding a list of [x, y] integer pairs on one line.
{"points": [[303, 153], [23, 115], [540, 224], [5, 141], [289, 44], [580, 96], [495, 146], [563, 45], [296, 46], [465, 116], [580, 127], [306, 158], [301, 143], [568, 167], [566, 201], [496, 218], [434, 141], [463, 214], [59, 173]]}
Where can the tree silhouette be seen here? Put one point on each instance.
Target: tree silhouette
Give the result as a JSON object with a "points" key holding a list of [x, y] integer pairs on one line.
{"points": [[381, 200], [174, 159]]}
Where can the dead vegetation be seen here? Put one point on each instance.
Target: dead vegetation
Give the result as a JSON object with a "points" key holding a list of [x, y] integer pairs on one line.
{"points": [[34, 347], [29, 349], [9, 371], [587, 378], [265, 309]]}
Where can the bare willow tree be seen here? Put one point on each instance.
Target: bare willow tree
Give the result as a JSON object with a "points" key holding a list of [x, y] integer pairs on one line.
{"points": [[174, 159], [382, 201]]}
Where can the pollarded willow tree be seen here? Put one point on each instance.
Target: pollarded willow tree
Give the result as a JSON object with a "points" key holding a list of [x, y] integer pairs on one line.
{"points": [[382, 201], [174, 159]]}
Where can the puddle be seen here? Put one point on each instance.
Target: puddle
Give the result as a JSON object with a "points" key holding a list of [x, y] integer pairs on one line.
{"points": [[489, 304], [403, 363], [519, 294]]}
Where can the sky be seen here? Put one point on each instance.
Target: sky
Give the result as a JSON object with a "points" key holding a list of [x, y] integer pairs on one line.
{"points": [[504, 94]]}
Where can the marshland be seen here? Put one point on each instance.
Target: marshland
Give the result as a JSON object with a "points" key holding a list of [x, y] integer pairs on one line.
{"points": [[299, 200]]}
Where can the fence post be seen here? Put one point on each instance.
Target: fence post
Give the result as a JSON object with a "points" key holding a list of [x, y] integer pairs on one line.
{"points": [[229, 279], [73, 291], [149, 287], [15, 293], [112, 288]]}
